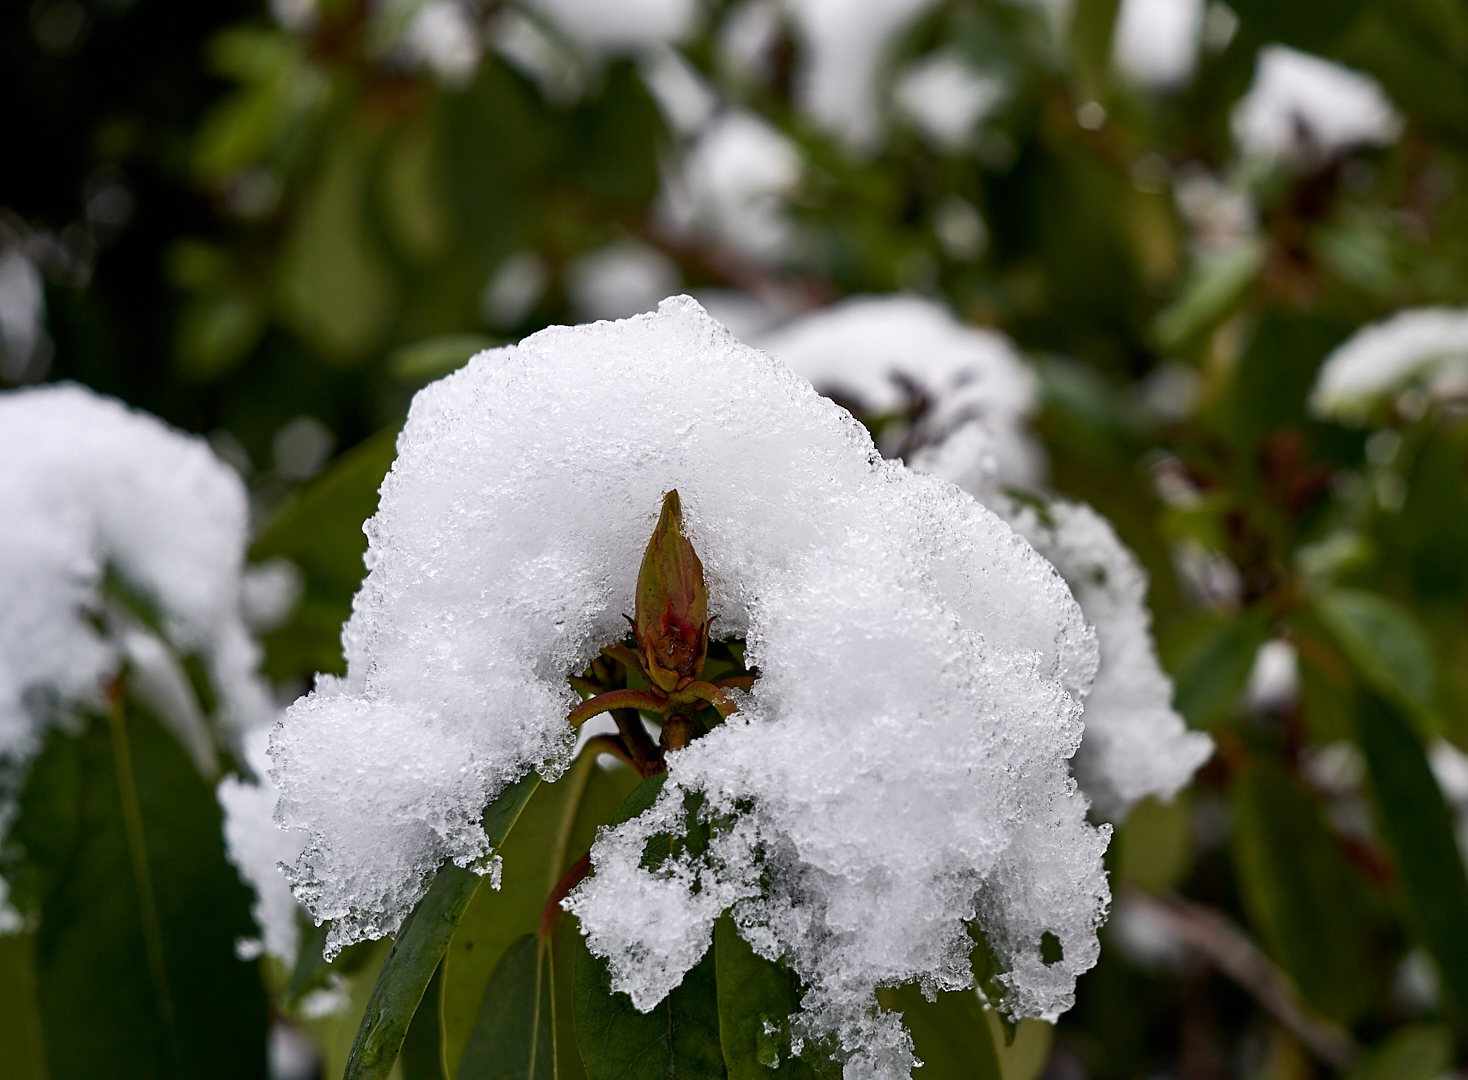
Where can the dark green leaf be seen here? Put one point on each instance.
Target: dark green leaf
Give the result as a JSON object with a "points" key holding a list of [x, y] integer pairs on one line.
{"points": [[135, 969], [1419, 1052], [1211, 674], [950, 1035], [1417, 826], [321, 532], [557, 826], [514, 1034], [435, 357], [20, 1021], [755, 996], [678, 1038], [422, 1053], [1300, 892], [1385, 643], [421, 944]]}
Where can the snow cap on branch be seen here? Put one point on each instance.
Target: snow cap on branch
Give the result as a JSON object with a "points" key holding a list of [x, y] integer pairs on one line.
{"points": [[888, 354], [90, 487], [979, 397], [898, 770], [1426, 344], [1303, 110]]}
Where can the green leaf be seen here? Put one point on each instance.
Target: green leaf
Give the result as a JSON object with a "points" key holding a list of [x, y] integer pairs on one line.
{"points": [[1211, 295], [432, 358], [514, 1035], [950, 1035], [1418, 1052], [678, 1038], [557, 826], [1210, 675], [135, 969], [755, 996], [422, 1054], [20, 1020], [1155, 843], [321, 532], [420, 946], [1417, 826], [1385, 643], [1300, 892]]}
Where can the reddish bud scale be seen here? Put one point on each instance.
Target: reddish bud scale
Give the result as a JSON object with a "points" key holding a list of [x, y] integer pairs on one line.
{"points": [[671, 620]]}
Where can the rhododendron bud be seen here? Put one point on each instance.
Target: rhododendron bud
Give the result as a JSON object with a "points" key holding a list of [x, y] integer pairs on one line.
{"points": [[671, 622]]}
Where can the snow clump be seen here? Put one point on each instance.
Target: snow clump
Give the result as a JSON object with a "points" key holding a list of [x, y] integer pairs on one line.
{"points": [[258, 848], [897, 772], [1303, 110], [1428, 344], [890, 354], [845, 47], [1155, 43], [89, 487], [980, 397]]}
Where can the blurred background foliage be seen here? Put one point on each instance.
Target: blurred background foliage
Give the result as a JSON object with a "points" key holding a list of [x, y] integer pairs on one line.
{"points": [[272, 226]]}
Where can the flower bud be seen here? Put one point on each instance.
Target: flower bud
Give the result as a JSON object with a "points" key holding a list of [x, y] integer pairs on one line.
{"points": [[671, 623]]}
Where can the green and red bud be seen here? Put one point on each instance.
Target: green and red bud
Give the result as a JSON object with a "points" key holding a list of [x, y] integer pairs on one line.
{"points": [[671, 619]]}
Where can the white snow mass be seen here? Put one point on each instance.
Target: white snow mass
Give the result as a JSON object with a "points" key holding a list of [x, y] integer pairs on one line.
{"points": [[1155, 42], [945, 97], [259, 848], [845, 47], [1303, 110], [1427, 344], [981, 397], [899, 769], [87, 487], [874, 351]]}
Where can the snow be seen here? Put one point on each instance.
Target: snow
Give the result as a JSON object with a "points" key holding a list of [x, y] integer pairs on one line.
{"points": [[845, 48], [258, 848], [899, 768], [945, 97], [1155, 42], [686, 100], [738, 172], [1426, 344], [981, 395], [861, 349], [88, 486], [627, 26], [1303, 110], [618, 280], [445, 37]]}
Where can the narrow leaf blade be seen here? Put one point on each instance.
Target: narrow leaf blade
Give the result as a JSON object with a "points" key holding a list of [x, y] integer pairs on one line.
{"points": [[950, 1035], [421, 944], [514, 1036]]}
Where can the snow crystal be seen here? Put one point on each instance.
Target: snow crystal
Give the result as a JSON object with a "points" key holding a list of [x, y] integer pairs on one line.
{"points": [[845, 48], [88, 487], [945, 97], [1430, 344], [898, 770], [258, 848], [1155, 42], [875, 352], [737, 173], [1304, 110], [980, 395]]}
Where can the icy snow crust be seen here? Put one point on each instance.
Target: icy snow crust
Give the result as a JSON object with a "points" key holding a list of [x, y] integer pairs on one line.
{"points": [[899, 768], [87, 484], [981, 396]]}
